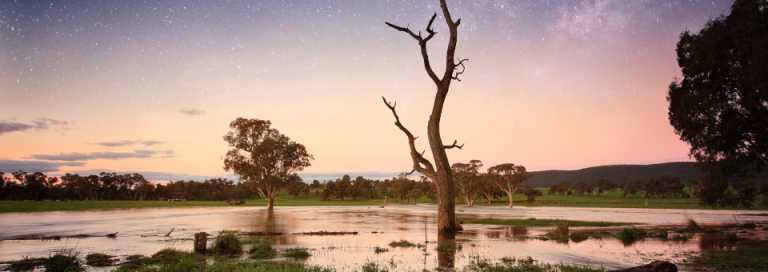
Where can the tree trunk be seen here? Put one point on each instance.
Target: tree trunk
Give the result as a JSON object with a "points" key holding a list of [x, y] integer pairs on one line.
{"points": [[510, 198], [270, 202]]}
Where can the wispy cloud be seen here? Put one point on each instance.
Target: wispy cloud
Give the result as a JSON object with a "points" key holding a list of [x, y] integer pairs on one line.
{"points": [[6, 127], [192, 111], [9, 166], [129, 143], [151, 143], [76, 156], [117, 144], [39, 124]]}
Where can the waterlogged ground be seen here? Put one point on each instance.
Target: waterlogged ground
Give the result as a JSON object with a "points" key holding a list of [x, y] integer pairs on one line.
{"points": [[142, 231]]}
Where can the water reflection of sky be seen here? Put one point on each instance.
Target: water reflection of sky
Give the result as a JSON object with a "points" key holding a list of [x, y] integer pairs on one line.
{"points": [[142, 231]]}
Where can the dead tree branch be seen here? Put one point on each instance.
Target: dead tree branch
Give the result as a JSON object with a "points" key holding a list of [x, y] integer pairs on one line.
{"points": [[418, 159], [422, 44], [454, 145], [456, 68]]}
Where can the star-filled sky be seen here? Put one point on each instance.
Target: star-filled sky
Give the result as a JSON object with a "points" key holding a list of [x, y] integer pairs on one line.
{"points": [[151, 86]]}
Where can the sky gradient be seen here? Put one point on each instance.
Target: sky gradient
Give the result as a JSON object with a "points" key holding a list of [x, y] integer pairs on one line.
{"points": [[129, 86]]}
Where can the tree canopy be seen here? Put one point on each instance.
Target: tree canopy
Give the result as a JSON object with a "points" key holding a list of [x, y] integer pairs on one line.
{"points": [[720, 106], [263, 157]]}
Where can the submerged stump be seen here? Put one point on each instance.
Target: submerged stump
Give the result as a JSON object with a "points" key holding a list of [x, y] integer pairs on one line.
{"points": [[201, 242]]}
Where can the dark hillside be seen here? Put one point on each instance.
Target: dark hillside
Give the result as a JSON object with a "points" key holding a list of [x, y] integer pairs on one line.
{"points": [[684, 170]]}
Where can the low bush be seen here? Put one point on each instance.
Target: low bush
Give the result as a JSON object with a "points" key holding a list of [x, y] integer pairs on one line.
{"points": [[99, 259], [629, 236], [578, 236], [262, 250], [298, 253], [65, 260], [402, 243], [227, 243]]}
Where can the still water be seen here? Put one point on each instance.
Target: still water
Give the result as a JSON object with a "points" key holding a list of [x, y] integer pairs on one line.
{"points": [[142, 231]]}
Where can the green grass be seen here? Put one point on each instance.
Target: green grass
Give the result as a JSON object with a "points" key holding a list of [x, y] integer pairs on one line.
{"points": [[26, 263], [261, 249], [578, 236], [449, 246], [99, 259], [298, 253], [631, 235], [508, 264], [614, 200], [233, 245], [65, 260], [746, 257], [402, 243], [533, 222]]}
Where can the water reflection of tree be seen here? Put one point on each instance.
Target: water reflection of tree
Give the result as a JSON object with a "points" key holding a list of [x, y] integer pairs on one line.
{"points": [[508, 232], [711, 241], [266, 220], [446, 260]]}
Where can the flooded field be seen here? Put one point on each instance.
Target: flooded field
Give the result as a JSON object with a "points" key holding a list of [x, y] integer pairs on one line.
{"points": [[143, 231]]}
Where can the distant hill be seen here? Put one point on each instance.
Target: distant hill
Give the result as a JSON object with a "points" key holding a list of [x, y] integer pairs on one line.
{"points": [[684, 170]]}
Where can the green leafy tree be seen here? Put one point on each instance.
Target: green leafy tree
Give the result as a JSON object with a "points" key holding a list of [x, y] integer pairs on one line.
{"points": [[401, 186], [509, 177], [694, 184], [719, 106], [603, 186], [414, 195], [466, 176], [487, 187], [296, 186], [263, 157], [531, 193]]}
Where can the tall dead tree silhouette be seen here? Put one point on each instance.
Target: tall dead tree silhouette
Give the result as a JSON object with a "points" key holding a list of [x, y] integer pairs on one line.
{"points": [[440, 173]]}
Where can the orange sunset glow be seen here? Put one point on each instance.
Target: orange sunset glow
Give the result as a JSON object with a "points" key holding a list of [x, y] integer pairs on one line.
{"points": [[151, 88]]}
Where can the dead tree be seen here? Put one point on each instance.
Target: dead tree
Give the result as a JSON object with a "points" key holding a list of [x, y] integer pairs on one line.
{"points": [[440, 173]]}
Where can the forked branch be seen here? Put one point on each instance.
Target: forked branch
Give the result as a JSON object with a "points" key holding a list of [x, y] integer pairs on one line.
{"points": [[418, 159], [454, 145], [422, 44], [456, 68]]}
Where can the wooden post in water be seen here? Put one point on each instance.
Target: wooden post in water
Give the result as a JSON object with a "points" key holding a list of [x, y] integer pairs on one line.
{"points": [[201, 241]]}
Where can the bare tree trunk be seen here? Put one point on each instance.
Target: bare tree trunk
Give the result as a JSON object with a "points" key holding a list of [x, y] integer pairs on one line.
{"points": [[510, 198], [440, 173], [270, 202]]}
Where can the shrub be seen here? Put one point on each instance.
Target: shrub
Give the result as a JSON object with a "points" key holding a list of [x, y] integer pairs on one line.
{"points": [[680, 238], [299, 253], [64, 261], [378, 250], [262, 250], [629, 236], [402, 243], [227, 243], [27, 263], [661, 233], [99, 259], [372, 267], [578, 236], [750, 225], [731, 237], [560, 232]]}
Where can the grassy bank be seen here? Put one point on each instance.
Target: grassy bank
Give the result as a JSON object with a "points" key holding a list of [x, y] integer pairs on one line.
{"points": [[284, 200], [533, 222]]}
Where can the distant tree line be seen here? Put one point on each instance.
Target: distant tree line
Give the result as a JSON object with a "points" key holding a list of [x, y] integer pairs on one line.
{"points": [[23, 185]]}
